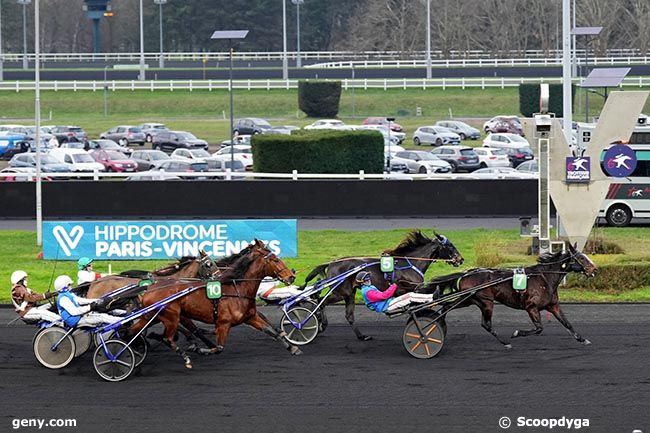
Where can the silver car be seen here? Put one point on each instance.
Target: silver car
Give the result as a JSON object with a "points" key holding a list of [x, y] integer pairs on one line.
{"points": [[435, 136], [460, 128], [424, 162], [125, 135]]}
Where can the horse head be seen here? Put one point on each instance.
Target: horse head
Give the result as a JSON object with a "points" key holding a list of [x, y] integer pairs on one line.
{"points": [[273, 266], [207, 266], [448, 251], [580, 262]]}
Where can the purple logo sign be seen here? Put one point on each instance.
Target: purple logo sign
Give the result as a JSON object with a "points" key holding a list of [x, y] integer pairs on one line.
{"points": [[578, 169], [620, 161]]}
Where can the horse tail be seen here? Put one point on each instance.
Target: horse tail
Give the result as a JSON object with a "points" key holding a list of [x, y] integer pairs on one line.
{"points": [[318, 270]]}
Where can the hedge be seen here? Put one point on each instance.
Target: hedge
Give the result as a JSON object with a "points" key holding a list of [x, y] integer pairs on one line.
{"points": [[529, 99], [319, 98], [319, 152], [614, 278]]}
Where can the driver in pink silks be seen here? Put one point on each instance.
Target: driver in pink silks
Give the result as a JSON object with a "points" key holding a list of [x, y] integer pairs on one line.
{"points": [[382, 302]]}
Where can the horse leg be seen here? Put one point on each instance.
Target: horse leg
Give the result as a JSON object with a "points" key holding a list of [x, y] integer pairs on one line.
{"points": [[349, 315], [559, 315], [259, 322], [171, 325], [486, 321], [221, 331], [535, 317], [197, 332]]}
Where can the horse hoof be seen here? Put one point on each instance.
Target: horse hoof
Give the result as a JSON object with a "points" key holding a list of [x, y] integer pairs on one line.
{"points": [[515, 334], [296, 352], [507, 346], [188, 366], [192, 348], [586, 342], [204, 351], [365, 338]]}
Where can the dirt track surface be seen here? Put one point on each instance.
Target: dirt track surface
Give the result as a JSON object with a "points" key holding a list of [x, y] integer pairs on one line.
{"points": [[341, 384]]}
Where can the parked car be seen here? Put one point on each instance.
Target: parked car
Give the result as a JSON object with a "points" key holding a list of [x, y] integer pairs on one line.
{"points": [[519, 155], [69, 133], [46, 137], [83, 145], [505, 140], [20, 174], [79, 159], [242, 153], [148, 159], [510, 124], [492, 157], [108, 145], [435, 135], [11, 144], [397, 164], [326, 124], [168, 141], [239, 139], [151, 129], [424, 162], [223, 163], [174, 166], [393, 149], [502, 173], [152, 175], [463, 130], [125, 135], [284, 129], [459, 157], [114, 161], [383, 121], [251, 126], [190, 154], [49, 164], [529, 167], [395, 137]]}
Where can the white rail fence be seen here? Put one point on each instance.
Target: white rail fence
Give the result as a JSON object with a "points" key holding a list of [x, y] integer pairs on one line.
{"points": [[362, 83]]}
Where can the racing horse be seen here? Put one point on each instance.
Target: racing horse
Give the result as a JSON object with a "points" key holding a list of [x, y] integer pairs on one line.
{"points": [[239, 284], [540, 294], [412, 258]]}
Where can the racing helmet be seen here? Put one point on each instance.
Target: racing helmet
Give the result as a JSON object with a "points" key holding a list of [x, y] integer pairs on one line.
{"points": [[18, 276], [83, 263], [61, 282], [362, 277]]}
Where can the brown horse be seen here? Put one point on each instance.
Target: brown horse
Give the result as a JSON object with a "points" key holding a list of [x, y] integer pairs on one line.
{"points": [[540, 294], [236, 306]]}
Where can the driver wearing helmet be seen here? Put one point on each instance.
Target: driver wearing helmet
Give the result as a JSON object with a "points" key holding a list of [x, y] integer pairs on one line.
{"points": [[86, 273], [382, 302], [78, 311], [25, 300]]}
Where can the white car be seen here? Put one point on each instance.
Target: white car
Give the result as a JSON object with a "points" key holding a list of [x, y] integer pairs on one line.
{"points": [[395, 137], [239, 139], [393, 149], [79, 159], [326, 124], [505, 140], [492, 157], [241, 152], [424, 162], [502, 173], [197, 155], [435, 135]]}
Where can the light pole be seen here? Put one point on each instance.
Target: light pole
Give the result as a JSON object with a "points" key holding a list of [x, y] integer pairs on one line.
{"points": [[105, 91], [567, 104], [298, 3], [141, 77], [285, 60], [389, 119], [37, 110], [160, 3], [1, 64], [429, 40], [231, 35], [25, 3]]}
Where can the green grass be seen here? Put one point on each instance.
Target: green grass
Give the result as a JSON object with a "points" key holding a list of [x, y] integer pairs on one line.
{"points": [[19, 251]]}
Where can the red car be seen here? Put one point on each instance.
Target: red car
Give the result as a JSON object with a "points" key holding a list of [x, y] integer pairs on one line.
{"points": [[382, 121], [114, 161]]}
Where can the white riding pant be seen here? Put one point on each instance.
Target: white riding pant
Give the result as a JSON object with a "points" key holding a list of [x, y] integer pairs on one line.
{"points": [[408, 298], [41, 313], [93, 319]]}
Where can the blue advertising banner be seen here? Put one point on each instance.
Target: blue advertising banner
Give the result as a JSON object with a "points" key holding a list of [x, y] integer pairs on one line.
{"points": [[143, 240]]}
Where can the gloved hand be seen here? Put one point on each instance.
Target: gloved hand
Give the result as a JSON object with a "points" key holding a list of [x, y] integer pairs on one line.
{"points": [[48, 295], [98, 305]]}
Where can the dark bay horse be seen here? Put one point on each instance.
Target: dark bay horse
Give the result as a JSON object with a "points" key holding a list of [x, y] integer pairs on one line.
{"points": [[239, 284], [540, 294], [412, 256]]}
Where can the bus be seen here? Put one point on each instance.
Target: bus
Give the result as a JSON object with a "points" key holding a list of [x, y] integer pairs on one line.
{"points": [[629, 197]]}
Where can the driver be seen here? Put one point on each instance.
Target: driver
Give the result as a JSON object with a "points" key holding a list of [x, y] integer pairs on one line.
{"points": [[86, 273], [78, 311], [25, 300], [382, 302]]}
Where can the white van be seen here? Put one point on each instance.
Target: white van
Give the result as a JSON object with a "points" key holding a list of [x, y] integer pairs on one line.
{"points": [[78, 158]]}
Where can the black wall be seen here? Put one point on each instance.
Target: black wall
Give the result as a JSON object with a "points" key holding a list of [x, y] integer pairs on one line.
{"points": [[269, 198]]}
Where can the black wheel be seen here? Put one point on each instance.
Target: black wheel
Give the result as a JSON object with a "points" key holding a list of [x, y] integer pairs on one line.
{"points": [[114, 361], [416, 141], [140, 348], [82, 341], [438, 141], [148, 138], [483, 165], [123, 142], [454, 167], [462, 136], [304, 335], [422, 170], [49, 356], [423, 338], [619, 215]]}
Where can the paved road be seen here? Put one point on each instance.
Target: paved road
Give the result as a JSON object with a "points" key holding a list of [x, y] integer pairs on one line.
{"points": [[343, 385]]}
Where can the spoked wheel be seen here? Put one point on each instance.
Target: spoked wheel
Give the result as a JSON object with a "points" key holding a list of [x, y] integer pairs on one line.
{"points": [[140, 348], [423, 337], [50, 356], [109, 335], [320, 313], [114, 361], [82, 341], [304, 335]]}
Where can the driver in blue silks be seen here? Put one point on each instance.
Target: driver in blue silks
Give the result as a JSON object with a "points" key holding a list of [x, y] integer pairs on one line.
{"points": [[78, 311], [383, 302]]}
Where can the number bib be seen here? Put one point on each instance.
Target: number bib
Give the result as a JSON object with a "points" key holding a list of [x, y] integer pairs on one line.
{"points": [[213, 289], [387, 264], [519, 280]]}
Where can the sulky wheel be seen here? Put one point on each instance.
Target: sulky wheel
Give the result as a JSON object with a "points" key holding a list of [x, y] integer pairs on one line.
{"points": [[306, 333], [82, 341], [140, 348], [53, 348], [423, 337], [312, 305], [114, 361]]}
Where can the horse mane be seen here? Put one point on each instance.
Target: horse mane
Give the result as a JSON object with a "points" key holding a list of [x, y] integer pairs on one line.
{"points": [[172, 268], [226, 262], [238, 268], [412, 241], [549, 258]]}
